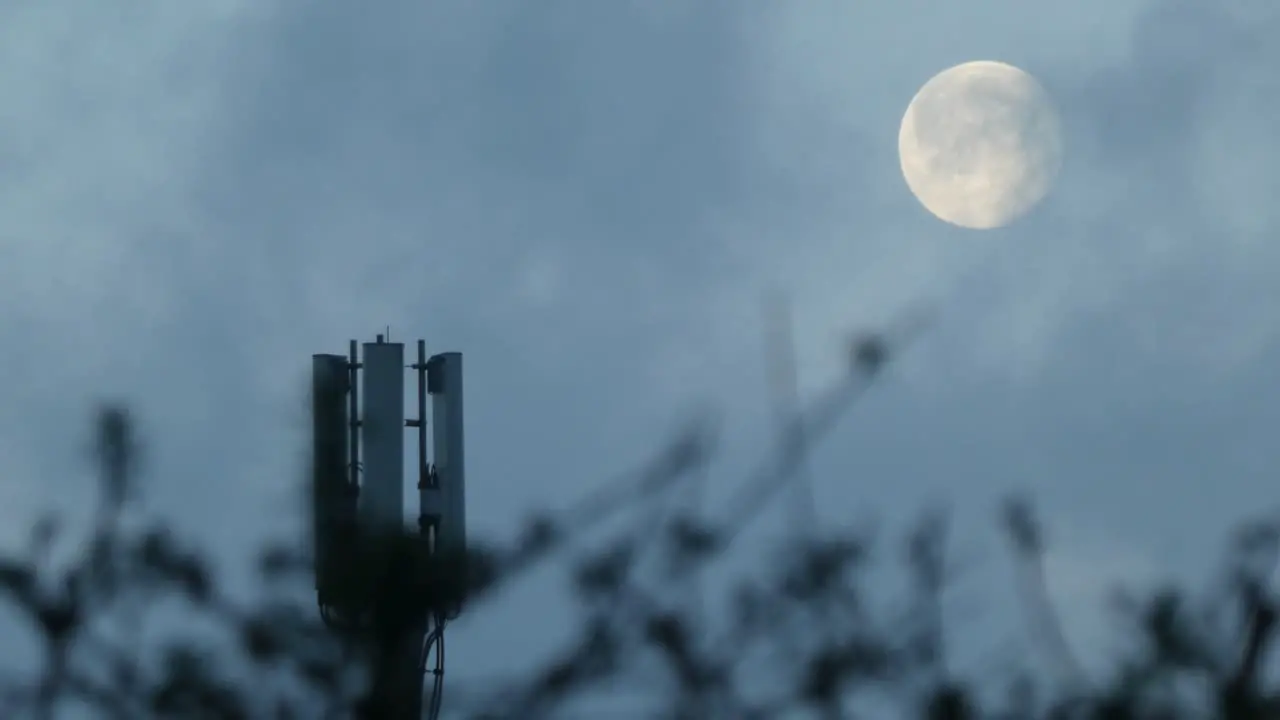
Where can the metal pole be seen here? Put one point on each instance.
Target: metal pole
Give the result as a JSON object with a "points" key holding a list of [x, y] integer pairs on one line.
{"points": [[353, 412], [397, 636], [421, 367], [428, 492]]}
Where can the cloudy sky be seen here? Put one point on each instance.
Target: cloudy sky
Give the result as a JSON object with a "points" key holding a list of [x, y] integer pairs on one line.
{"points": [[589, 198]]}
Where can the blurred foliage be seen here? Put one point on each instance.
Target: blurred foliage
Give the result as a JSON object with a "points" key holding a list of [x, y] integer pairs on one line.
{"points": [[804, 640]]}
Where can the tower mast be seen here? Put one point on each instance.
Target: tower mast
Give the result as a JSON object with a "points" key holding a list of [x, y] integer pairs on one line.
{"points": [[390, 587]]}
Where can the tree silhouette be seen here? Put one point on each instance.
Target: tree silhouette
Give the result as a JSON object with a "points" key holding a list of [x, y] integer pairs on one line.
{"points": [[832, 651]]}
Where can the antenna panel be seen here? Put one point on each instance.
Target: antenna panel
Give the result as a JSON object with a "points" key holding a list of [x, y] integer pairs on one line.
{"points": [[329, 387], [382, 434], [444, 373]]}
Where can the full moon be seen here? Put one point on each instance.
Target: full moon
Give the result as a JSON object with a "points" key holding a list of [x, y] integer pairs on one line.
{"points": [[980, 144]]}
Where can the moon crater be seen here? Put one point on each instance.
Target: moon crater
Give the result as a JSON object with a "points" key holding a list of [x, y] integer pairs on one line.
{"points": [[980, 144]]}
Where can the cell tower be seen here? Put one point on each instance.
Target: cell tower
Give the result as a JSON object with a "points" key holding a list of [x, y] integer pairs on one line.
{"points": [[379, 578]]}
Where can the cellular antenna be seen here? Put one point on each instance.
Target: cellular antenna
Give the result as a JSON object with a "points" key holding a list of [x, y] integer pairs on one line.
{"points": [[373, 570]]}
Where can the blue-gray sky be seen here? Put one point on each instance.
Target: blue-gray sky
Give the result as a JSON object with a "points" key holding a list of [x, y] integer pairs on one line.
{"points": [[589, 198]]}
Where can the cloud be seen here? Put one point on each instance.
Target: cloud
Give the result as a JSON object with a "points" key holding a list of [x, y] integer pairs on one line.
{"points": [[105, 119], [591, 201]]}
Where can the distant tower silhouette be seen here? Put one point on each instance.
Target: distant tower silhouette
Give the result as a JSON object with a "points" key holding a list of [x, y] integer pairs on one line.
{"points": [[784, 381]]}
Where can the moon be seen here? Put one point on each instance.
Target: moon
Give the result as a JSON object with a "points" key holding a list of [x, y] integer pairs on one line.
{"points": [[980, 144]]}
